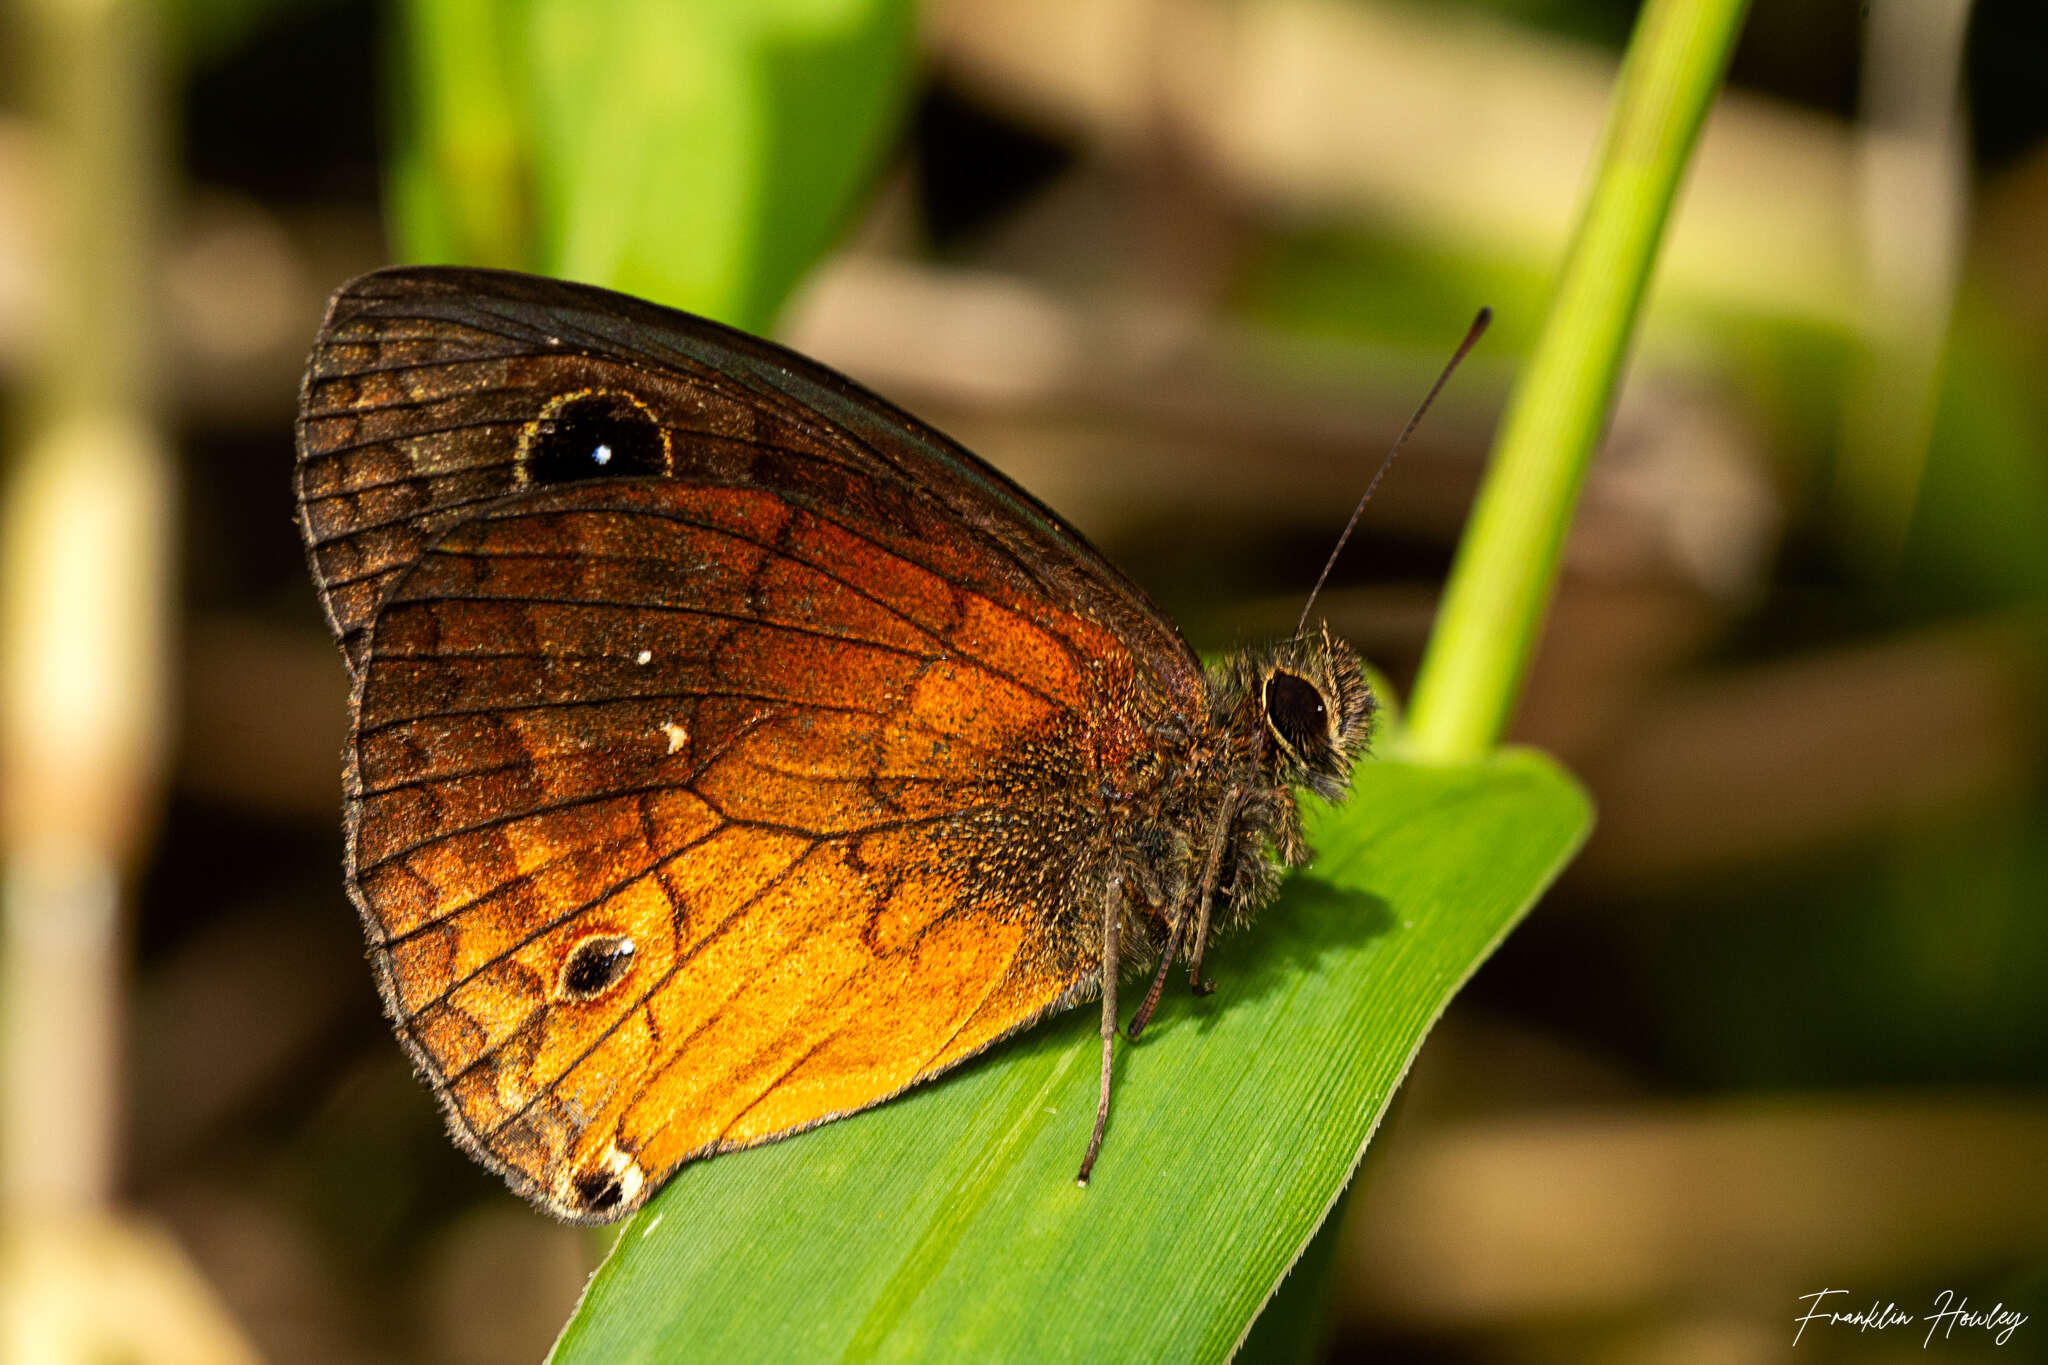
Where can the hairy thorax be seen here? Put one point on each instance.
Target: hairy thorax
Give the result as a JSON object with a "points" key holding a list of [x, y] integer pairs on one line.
{"points": [[1288, 717]]}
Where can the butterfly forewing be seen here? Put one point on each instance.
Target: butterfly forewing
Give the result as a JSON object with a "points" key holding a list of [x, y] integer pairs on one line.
{"points": [[422, 381], [696, 805]]}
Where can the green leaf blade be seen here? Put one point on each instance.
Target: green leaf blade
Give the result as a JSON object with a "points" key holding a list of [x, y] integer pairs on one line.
{"points": [[701, 155], [946, 1223]]}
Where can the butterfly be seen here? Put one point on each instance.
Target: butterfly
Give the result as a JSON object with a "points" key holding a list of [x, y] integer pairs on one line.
{"points": [[731, 750]]}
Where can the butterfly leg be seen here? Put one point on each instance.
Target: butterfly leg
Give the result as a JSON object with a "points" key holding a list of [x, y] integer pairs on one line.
{"points": [[1112, 917], [1212, 868], [1152, 992], [1218, 837]]}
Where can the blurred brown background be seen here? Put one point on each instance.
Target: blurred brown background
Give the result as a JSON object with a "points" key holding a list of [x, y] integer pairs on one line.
{"points": [[1181, 267]]}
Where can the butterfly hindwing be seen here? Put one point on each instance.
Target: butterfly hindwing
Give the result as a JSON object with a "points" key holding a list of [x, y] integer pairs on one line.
{"points": [[656, 794]]}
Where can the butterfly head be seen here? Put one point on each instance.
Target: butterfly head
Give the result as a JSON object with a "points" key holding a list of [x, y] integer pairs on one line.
{"points": [[1312, 699]]}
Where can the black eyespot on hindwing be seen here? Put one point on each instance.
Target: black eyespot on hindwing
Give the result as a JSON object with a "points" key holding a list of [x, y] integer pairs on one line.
{"points": [[595, 966], [592, 434], [1297, 713], [599, 1191]]}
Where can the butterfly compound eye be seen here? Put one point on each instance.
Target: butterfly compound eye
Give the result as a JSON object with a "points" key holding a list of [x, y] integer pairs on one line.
{"points": [[1295, 710], [592, 434]]}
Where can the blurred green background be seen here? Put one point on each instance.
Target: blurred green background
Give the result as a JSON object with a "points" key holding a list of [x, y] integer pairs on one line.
{"points": [[1181, 267]]}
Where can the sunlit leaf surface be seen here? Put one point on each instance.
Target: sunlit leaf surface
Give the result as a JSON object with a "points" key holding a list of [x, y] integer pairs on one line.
{"points": [[947, 1225]]}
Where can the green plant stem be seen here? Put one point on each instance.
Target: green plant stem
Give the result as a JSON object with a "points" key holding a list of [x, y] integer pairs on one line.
{"points": [[1507, 563]]}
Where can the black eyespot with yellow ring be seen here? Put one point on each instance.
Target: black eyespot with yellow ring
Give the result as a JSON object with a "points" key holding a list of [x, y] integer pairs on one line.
{"points": [[592, 434]]}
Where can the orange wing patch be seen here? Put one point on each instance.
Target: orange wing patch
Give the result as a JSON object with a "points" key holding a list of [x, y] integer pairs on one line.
{"points": [[683, 819]]}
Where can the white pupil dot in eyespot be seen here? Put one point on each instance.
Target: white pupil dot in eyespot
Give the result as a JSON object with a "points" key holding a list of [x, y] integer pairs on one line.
{"points": [[645, 656], [603, 454]]}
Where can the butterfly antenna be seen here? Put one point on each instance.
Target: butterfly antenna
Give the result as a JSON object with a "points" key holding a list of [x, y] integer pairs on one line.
{"points": [[1472, 335]]}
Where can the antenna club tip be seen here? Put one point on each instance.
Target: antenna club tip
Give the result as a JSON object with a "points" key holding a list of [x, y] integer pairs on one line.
{"points": [[1485, 315]]}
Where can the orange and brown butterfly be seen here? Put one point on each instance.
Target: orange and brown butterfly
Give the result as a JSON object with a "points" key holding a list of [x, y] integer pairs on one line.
{"points": [[730, 749]]}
